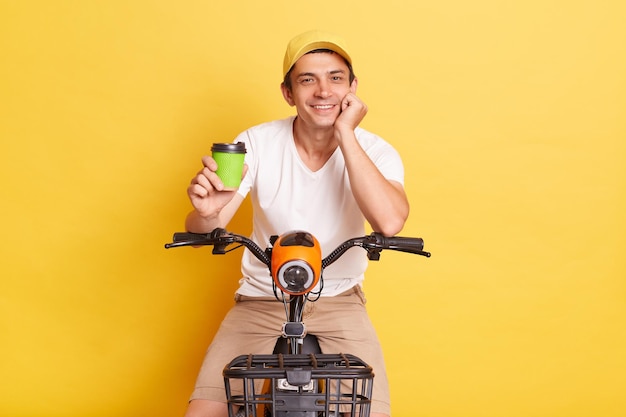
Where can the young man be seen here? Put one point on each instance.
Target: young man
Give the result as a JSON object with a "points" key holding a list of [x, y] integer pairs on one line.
{"points": [[317, 171]]}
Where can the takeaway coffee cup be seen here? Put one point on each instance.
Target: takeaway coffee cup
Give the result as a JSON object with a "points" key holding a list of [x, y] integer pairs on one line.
{"points": [[229, 158]]}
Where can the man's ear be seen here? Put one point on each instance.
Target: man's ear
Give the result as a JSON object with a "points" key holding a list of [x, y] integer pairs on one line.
{"points": [[287, 94], [353, 86]]}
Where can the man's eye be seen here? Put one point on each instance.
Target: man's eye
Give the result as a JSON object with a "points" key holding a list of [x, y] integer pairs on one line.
{"points": [[306, 80]]}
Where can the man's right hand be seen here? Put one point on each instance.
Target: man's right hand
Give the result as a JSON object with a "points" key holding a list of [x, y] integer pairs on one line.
{"points": [[206, 190]]}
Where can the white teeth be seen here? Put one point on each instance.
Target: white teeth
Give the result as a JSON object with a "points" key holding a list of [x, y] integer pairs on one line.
{"points": [[324, 107]]}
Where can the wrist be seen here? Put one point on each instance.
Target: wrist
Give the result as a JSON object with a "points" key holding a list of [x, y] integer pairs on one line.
{"points": [[345, 137], [201, 223]]}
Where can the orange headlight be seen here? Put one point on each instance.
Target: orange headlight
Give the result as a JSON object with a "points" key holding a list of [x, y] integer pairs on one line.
{"points": [[296, 262]]}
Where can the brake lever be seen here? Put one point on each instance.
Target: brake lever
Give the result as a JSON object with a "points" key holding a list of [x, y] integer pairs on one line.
{"points": [[371, 244], [224, 238], [412, 251]]}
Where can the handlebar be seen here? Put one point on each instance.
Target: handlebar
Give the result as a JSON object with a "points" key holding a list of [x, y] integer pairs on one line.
{"points": [[218, 238], [373, 243]]}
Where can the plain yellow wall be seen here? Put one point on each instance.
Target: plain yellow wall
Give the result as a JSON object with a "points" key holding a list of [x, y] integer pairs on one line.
{"points": [[511, 117]]}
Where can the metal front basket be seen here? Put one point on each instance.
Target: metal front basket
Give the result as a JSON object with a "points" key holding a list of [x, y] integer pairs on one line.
{"points": [[298, 385]]}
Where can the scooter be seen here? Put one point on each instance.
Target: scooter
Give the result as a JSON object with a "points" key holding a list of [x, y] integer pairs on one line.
{"points": [[297, 379]]}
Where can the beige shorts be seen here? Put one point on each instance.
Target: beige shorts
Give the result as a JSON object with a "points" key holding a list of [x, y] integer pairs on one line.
{"points": [[253, 325]]}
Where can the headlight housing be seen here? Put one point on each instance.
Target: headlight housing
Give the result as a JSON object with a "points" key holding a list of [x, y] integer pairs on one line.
{"points": [[296, 262]]}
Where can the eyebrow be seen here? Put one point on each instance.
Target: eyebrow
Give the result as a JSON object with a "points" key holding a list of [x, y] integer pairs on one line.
{"points": [[312, 74]]}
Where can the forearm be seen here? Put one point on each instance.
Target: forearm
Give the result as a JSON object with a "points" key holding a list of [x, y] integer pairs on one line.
{"points": [[197, 223], [383, 203]]}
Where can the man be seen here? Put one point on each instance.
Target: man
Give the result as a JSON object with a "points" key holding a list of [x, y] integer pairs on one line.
{"points": [[319, 172]]}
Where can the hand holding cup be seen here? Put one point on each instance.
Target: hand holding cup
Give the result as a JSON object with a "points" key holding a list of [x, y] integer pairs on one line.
{"points": [[209, 192]]}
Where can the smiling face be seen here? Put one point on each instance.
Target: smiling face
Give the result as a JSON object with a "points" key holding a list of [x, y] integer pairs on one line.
{"points": [[319, 82]]}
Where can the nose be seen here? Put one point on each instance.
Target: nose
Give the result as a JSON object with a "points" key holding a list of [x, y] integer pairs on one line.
{"points": [[323, 89]]}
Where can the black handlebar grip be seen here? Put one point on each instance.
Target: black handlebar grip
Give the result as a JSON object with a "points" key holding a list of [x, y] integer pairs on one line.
{"points": [[399, 242], [188, 237]]}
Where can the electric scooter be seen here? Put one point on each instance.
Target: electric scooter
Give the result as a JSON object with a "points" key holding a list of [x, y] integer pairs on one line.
{"points": [[297, 379]]}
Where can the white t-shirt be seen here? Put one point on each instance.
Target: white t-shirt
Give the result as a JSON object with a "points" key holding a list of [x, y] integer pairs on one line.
{"points": [[286, 195]]}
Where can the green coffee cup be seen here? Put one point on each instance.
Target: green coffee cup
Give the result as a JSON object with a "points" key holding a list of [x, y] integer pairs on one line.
{"points": [[229, 158]]}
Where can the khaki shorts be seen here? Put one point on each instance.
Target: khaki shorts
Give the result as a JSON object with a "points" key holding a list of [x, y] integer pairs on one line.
{"points": [[253, 325]]}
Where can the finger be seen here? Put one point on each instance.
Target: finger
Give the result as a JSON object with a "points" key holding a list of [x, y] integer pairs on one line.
{"points": [[209, 162], [345, 102], [201, 185], [197, 190], [210, 180], [204, 179], [351, 100]]}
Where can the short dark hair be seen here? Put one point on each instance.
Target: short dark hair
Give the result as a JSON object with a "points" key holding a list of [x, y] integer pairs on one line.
{"points": [[287, 80]]}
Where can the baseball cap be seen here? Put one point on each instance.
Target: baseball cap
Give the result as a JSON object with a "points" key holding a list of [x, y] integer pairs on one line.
{"points": [[310, 41]]}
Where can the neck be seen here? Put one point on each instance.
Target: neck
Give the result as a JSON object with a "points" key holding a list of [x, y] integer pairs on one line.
{"points": [[315, 146]]}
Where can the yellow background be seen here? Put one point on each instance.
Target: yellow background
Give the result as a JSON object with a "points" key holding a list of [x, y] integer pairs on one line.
{"points": [[510, 116]]}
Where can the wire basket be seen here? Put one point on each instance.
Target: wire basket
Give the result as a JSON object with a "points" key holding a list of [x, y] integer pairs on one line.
{"points": [[298, 385]]}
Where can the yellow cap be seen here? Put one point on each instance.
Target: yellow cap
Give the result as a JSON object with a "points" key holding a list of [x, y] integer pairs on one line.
{"points": [[310, 41]]}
